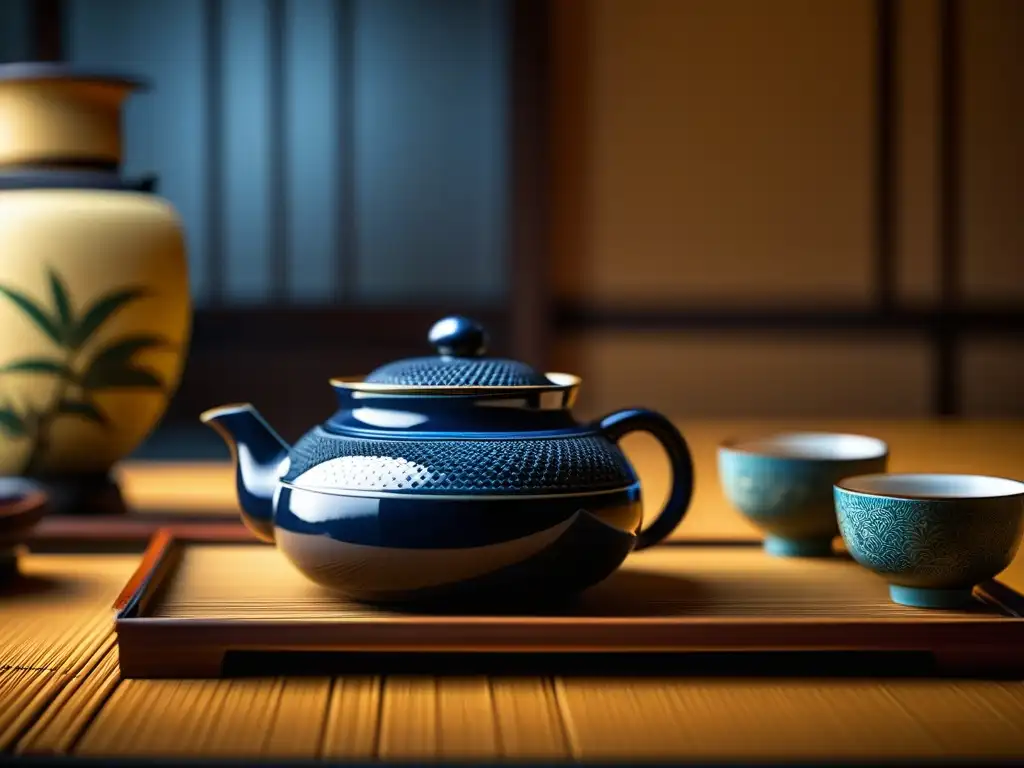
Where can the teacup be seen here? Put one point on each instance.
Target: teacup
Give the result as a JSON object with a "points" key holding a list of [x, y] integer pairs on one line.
{"points": [[783, 484], [933, 537]]}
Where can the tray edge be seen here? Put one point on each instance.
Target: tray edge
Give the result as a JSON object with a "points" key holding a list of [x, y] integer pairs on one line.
{"points": [[203, 658], [161, 555]]}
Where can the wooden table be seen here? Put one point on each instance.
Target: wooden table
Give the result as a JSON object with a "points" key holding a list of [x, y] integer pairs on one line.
{"points": [[60, 691]]}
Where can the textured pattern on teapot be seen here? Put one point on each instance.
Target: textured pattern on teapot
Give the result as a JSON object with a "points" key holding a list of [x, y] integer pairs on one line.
{"points": [[554, 465]]}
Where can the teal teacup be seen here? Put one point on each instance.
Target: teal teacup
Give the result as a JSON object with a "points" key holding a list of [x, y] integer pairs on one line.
{"points": [[783, 484], [932, 537]]}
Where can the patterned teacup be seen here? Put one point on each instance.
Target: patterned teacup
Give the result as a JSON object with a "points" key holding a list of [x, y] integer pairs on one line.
{"points": [[932, 537], [783, 484]]}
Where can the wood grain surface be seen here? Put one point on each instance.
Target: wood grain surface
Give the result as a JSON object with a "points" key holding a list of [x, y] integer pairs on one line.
{"points": [[60, 691]]}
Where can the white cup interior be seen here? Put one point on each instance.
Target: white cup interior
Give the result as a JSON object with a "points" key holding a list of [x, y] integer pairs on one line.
{"points": [[933, 486], [813, 445]]}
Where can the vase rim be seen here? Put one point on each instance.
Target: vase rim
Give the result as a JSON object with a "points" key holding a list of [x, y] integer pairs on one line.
{"points": [[29, 178], [43, 71]]}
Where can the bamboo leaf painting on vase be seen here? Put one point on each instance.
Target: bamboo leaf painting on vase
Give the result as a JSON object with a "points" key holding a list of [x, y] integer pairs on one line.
{"points": [[78, 370]]}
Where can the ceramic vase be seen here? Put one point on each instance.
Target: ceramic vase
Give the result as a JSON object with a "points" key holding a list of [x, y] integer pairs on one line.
{"points": [[95, 309]]}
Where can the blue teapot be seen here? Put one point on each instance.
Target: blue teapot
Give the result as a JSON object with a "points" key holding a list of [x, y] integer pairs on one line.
{"points": [[452, 476]]}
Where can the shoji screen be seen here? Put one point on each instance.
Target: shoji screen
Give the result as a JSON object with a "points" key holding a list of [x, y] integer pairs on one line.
{"points": [[319, 151]]}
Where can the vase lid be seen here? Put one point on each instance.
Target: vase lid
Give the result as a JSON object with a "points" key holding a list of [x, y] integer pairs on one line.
{"points": [[461, 361]]}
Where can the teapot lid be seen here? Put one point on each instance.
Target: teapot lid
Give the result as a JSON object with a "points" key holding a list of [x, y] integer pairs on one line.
{"points": [[461, 345]]}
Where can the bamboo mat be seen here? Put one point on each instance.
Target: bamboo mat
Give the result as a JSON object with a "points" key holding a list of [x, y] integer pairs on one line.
{"points": [[419, 718], [73, 702], [55, 626], [242, 582]]}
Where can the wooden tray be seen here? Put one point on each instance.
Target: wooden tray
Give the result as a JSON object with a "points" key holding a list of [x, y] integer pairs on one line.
{"points": [[191, 606]]}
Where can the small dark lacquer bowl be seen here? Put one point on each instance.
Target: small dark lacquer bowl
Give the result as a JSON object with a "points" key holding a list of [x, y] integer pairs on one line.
{"points": [[453, 478], [933, 537], [22, 505]]}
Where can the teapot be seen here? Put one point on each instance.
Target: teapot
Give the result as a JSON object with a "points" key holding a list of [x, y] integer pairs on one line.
{"points": [[452, 476]]}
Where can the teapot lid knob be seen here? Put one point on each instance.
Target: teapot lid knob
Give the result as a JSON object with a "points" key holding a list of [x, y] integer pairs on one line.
{"points": [[458, 336]]}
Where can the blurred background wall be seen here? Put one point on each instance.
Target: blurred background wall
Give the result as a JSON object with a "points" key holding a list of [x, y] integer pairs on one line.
{"points": [[712, 207], [848, 175]]}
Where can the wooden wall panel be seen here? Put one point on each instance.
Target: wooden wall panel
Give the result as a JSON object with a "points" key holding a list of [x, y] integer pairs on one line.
{"points": [[729, 151], [916, 155], [992, 378], [992, 167], [750, 376]]}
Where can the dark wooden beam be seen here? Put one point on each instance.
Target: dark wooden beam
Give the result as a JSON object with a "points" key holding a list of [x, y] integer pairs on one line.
{"points": [[280, 358], [989, 321], [277, 128], [886, 36], [306, 326], [46, 30], [345, 235], [948, 334], [949, 153], [530, 160], [213, 52]]}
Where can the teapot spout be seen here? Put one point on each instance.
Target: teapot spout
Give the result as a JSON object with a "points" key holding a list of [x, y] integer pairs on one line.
{"points": [[259, 456]]}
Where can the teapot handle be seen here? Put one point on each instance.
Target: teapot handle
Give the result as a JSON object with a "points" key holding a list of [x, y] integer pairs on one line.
{"points": [[616, 425]]}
